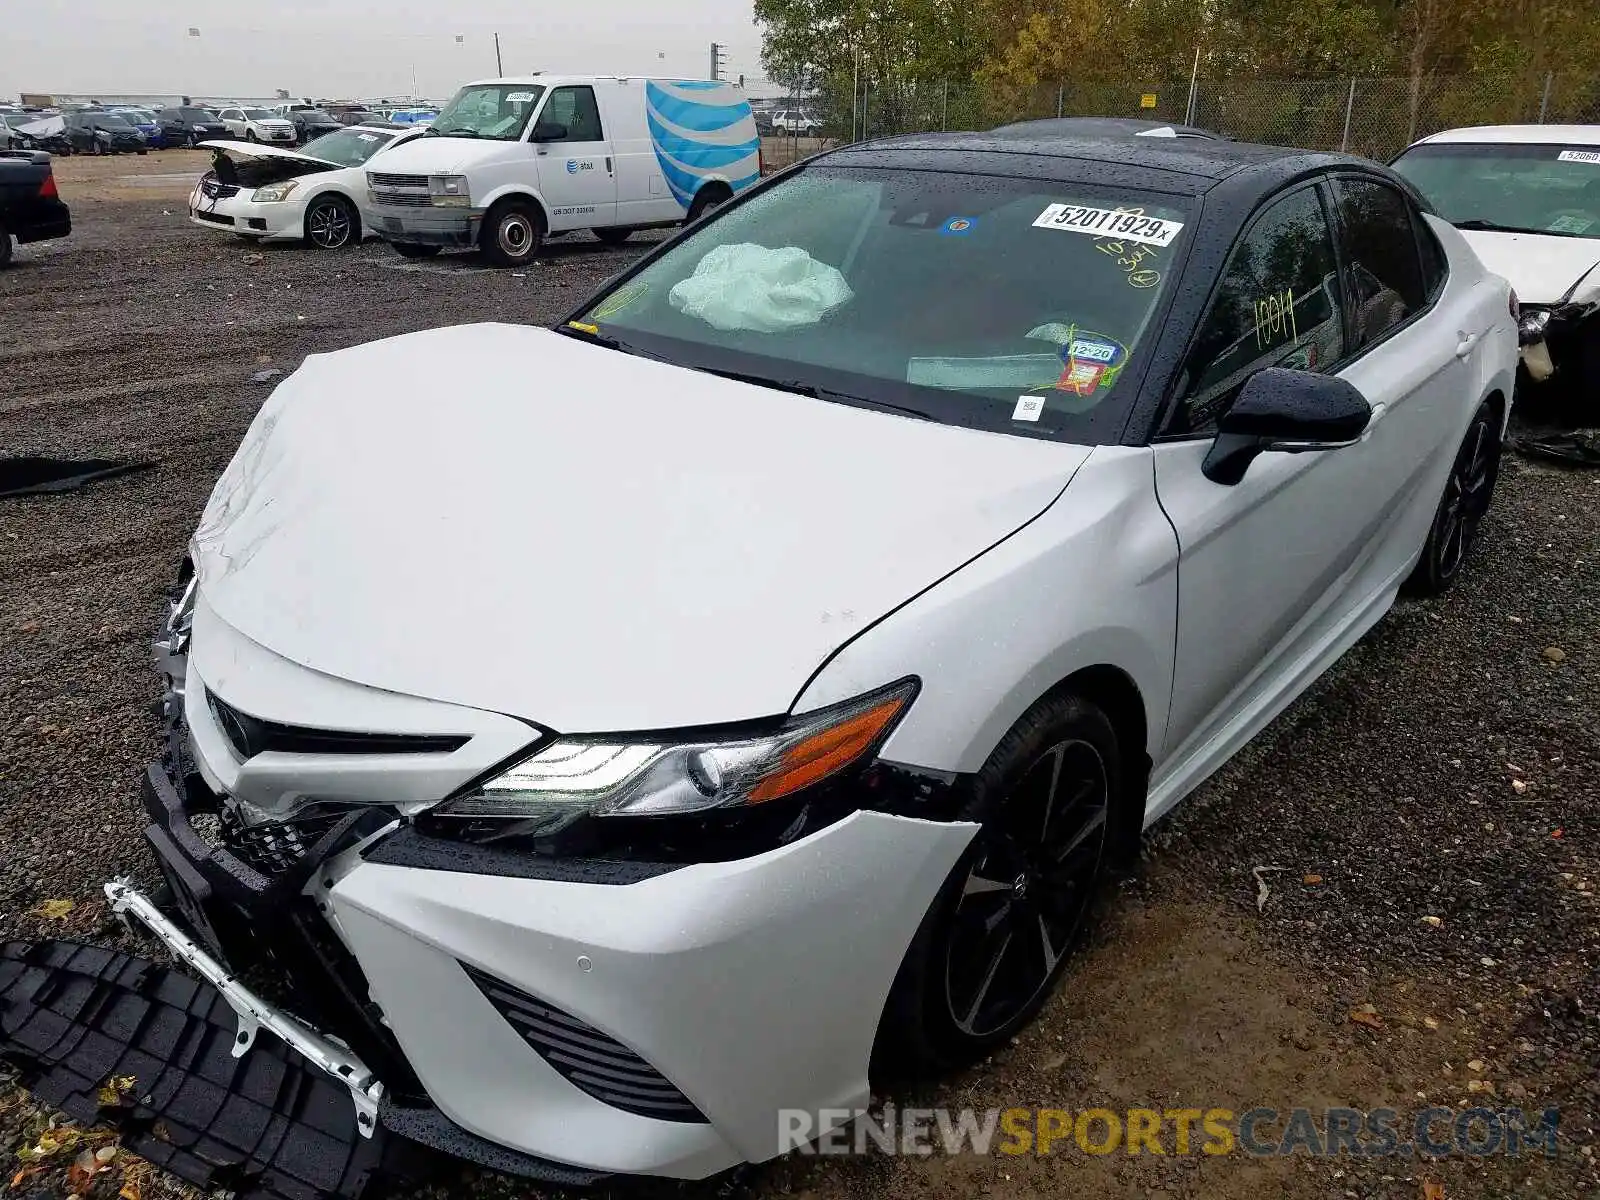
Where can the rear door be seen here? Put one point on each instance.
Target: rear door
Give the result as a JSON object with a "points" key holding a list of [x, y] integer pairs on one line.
{"points": [[1266, 566], [1416, 333], [577, 174]]}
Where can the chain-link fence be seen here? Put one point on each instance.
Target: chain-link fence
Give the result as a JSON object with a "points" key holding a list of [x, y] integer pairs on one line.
{"points": [[1373, 117]]}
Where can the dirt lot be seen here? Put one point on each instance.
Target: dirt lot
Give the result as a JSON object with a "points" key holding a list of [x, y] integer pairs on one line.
{"points": [[1428, 810]]}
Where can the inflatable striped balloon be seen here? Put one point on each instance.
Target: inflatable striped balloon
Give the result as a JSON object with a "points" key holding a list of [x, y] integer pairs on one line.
{"points": [[699, 133]]}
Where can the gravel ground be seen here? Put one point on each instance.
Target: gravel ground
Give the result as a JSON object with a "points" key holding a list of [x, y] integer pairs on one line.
{"points": [[1427, 810]]}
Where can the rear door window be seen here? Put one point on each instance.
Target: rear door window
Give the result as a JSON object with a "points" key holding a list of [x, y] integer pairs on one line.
{"points": [[1384, 285]]}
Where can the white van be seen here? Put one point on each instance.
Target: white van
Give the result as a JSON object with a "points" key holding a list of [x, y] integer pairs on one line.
{"points": [[509, 162]]}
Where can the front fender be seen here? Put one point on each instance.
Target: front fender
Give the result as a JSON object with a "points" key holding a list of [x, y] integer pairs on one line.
{"points": [[1091, 582], [494, 196]]}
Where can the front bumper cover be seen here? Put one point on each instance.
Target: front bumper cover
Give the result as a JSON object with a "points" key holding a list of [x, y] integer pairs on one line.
{"points": [[427, 226]]}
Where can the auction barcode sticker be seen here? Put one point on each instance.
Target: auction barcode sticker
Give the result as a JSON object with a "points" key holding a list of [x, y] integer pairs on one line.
{"points": [[1586, 156], [1109, 222]]}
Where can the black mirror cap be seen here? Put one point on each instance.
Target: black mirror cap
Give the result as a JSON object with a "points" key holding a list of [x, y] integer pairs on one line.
{"points": [[1281, 405], [549, 131]]}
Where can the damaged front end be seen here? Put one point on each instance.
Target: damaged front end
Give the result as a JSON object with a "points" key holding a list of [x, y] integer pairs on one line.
{"points": [[327, 1104]]}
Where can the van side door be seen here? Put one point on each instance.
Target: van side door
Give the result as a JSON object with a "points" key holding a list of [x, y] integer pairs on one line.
{"points": [[577, 171], [643, 197]]}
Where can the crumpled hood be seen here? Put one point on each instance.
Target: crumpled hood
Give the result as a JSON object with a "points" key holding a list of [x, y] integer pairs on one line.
{"points": [[507, 518], [1541, 268]]}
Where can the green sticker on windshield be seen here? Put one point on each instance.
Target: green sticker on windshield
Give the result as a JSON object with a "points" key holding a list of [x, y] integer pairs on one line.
{"points": [[618, 301]]}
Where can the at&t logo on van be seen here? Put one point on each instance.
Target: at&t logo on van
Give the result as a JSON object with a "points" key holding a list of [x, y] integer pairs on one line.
{"points": [[574, 166]]}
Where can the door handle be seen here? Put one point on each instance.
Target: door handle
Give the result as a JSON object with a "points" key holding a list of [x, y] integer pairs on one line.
{"points": [[1465, 345]]}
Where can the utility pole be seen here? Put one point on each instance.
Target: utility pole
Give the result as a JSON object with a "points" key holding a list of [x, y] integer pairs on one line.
{"points": [[499, 67], [719, 55]]}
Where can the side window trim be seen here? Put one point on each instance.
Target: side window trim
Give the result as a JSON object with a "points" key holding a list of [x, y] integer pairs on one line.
{"points": [[1178, 385], [1338, 227]]}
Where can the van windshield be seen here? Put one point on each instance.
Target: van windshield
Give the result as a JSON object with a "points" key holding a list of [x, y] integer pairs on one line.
{"points": [[496, 111], [1005, 304]]}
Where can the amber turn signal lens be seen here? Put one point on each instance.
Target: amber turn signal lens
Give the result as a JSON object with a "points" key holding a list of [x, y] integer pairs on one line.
{"points": [[821, 754]]}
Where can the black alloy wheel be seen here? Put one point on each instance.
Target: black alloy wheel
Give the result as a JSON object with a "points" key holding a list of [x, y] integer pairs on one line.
{"points": [[1027, 891], [1467, 493], [331, 223], [1052, 810]]}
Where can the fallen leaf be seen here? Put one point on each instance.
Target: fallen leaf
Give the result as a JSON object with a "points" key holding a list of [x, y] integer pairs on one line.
{"points": [[53, 910], [1436, 922], [1311, 880], [1370, 1019], [1261, 886], [1476, 1065], [115, 1090], [130, 1190], [1432, 1190]]}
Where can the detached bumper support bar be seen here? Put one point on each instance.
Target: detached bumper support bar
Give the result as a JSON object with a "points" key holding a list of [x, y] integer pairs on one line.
{"points": [[254, 1013]]}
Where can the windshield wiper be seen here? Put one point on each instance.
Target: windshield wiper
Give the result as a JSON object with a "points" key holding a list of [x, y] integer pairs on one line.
{"points": [[798, 388], [435, 131], [1483, 225]]}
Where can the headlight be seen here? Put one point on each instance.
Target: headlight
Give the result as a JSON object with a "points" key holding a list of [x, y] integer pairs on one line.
{"points": [[273, 192], [573, 778], [449, 191], [1532, 324]]}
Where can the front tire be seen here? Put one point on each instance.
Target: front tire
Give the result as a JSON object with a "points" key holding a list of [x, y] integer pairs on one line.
{"points": [[331, 223], [512, 233], [1467, 493], [413, 250], [993, 945]]}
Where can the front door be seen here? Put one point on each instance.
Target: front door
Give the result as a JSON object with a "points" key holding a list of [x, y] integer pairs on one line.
{"points": [[1266, 565], [577, 175]]}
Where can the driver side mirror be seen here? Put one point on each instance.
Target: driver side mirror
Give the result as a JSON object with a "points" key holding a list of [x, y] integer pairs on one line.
{"points": [[549, 131], [1294, 412]]}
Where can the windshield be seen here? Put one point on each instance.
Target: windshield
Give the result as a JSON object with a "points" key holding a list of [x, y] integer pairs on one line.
{"points": [[137, 116], [196, 114], [1004, 304], [312, 114], [112, 121], [348, 147], [490, 110], [260, 114], [1518, 188]]}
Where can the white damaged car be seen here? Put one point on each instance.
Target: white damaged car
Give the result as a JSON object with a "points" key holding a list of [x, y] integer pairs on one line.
{"points": [[621, 740], [1527, 199], [316, 194]]}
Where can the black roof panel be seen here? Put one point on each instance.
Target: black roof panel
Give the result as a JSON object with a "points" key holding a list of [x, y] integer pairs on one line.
{"points": [[1190, 166]]}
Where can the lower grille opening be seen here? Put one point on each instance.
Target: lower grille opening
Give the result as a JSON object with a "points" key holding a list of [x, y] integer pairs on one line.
{"points": [[591, 1061]]}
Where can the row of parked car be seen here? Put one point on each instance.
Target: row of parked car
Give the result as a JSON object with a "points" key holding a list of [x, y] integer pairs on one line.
{"points": [[119, 129]]}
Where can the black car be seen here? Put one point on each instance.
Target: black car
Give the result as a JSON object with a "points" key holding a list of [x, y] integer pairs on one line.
{"points": [[311, 123], [356, 116], [93, 132], [30, 208], [188, 126]]}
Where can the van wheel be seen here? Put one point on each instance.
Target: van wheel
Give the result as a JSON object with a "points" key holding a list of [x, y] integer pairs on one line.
{"points": [[712, 196], [511, 233], [412, 250], [613, 235], [995, 940], [331, 223]]}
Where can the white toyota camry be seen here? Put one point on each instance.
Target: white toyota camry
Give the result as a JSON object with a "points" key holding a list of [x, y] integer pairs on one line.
{"points": [[618, 734]]}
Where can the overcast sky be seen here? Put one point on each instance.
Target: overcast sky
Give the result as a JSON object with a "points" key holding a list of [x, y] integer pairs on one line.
{"points": [[355, 47]]}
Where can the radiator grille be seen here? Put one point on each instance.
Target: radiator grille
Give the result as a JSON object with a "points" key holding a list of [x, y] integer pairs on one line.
{"points": [[250, 736], [379, 179], [592, 1062]]}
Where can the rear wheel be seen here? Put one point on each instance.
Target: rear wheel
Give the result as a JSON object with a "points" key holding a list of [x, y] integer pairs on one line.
{"points": [[614, 235], [331, 223], [996, 939], [250, 135], [709, 198], [511, 233], [1467, 493], [413, 250]]}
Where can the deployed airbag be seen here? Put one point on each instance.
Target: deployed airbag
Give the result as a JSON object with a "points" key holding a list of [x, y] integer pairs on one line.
{"points": [[750, 287]]}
